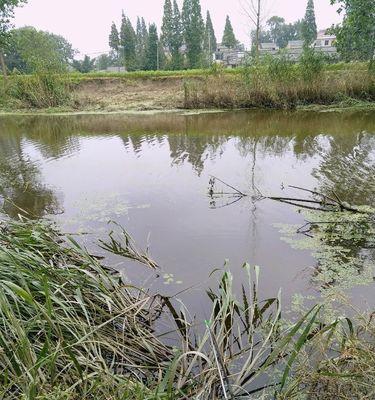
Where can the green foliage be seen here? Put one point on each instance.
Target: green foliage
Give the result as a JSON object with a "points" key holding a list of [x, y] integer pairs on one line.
{"points": [[193, 28], [177, 38], [281, 68], [141, 43], [6, 15], [311, 64], [84, 66], [167, 26], [281, 33], [309, 29], [128, 43], [356, 35], [41, 90], [72, 328], [152, 56], [31, 50], [114, 38], [229, 39], [104, 61], [210, 42]]}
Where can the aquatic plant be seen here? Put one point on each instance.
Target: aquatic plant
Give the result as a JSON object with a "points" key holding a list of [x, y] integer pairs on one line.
{"points": [[72, 328]]}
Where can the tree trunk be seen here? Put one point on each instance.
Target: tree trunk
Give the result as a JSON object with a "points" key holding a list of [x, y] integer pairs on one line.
{"points": [[258, 32], [2, 65]]}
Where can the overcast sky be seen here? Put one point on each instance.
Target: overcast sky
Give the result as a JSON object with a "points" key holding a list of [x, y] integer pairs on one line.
{"points": [[86, 23]]}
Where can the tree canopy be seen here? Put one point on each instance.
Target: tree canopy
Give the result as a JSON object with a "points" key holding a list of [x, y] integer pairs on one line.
{"points": [[6, 15], [309, 29], [229, 39], [356, 34], [31, 50], [193, 27]]}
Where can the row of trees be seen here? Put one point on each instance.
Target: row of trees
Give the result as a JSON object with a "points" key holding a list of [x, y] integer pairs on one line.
{"points": [[186, 40]]}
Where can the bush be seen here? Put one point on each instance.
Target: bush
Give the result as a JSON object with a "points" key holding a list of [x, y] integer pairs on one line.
{"points": [[41, 90], [311, 65]]}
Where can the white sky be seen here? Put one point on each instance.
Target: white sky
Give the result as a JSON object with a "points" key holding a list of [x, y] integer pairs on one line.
{"points": [[86, 23]]}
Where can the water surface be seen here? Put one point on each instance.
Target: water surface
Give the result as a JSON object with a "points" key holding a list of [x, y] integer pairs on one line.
{"points": [[150, 174]]}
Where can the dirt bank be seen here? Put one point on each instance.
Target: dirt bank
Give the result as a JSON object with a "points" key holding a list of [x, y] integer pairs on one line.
{"points": [[116, 94]]}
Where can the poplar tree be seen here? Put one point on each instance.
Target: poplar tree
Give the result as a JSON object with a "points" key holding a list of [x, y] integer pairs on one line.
{"points": [[193, 26], [141, 44], [167, 26], [128, 43], [229, 39], [177, 38], [309, 29], [114, 38], [152, 55], [210, 42]]}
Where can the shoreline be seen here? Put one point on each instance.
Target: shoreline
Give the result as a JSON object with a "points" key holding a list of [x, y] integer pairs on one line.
{"points": [[63, 111]]}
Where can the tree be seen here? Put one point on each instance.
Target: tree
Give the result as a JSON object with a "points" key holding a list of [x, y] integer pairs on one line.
{"points": [[277, 31], [177, 38], [309, 29], [152, 53], [31, 51], [6, 15], [255, 11], [356, 34], [84, 66], [128, 43], [193, 26], [210, 42], [141, 43], [167, 26], [114, 38], [229, 39], [103, 62]]}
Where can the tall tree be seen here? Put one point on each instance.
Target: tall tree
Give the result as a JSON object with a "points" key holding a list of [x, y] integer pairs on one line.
{"points": [[177, 38], [167, 26], [210, 42], [128, 43], [114, 38], [6, 15], [356, 34], [193, 26], [152, 53], [229, 39], [255, 11], [141, 43], [309, 29]]}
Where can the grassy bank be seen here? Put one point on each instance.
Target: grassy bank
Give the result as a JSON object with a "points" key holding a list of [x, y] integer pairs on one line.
{"points": [[70, 328], [271, 84]]}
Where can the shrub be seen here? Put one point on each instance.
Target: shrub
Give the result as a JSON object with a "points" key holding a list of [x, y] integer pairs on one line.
{"points": [[311, 65], [38, 91]]}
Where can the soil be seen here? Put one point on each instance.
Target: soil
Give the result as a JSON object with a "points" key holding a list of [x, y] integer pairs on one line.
{"points": [[114, 94]]}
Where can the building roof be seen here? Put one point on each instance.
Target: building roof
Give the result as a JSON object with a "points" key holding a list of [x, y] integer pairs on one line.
{"points": [[268, 46], [323, 33]]}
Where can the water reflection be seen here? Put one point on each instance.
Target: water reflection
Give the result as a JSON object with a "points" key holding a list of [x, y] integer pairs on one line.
{"points": [[21, 188], [150, 173]]}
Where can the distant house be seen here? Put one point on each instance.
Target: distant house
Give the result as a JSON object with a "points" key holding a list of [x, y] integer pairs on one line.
{"points": [[268, 48], [228, 57], [295, 44], [325, 42]]}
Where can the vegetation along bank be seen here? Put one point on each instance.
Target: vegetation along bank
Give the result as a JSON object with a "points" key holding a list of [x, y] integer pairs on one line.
{"points": [[273, 83]]}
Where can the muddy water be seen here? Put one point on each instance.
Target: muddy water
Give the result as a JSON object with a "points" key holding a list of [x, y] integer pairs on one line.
{"points": [[150, 174]]}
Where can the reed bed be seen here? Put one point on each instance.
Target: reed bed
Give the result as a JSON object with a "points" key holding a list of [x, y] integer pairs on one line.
{"points": [[281, 85], [71, 328]]}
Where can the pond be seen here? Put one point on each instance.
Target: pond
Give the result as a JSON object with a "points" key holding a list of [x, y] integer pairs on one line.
{"points": [[150, 174]]}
